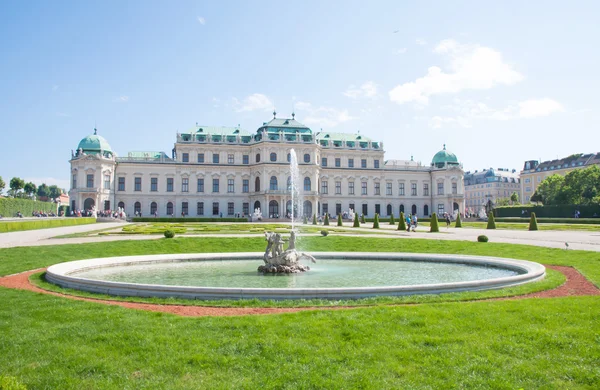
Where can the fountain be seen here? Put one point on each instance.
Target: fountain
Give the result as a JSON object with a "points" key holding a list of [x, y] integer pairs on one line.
{"points": [[278, 261]]}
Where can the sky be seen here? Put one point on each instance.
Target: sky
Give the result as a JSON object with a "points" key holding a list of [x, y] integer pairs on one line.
{"points": [[497, 82]]}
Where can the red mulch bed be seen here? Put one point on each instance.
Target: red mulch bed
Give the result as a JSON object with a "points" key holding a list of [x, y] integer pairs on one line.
{"points": [[575, 285]]}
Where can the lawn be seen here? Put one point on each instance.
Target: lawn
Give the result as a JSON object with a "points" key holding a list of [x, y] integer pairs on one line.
{"points": [[54, 342]]}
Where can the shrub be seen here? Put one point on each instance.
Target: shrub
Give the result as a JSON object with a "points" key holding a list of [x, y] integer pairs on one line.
{"points": [[458, 223], [326, 222], [324, 233], [482, 238], [10, 206], [187, 219], [356, 223], [305, 220], [11, 383], [362, 218], [392, 221], [169, 234], [43, 223], [314, 219], [402, 222], [434, 225], [376, 222], [340, 220], [533, 222], [491, 222]]}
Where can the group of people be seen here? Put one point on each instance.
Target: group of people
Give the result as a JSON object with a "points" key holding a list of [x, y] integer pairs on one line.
{"points": [[411, 222], [39, 214]]}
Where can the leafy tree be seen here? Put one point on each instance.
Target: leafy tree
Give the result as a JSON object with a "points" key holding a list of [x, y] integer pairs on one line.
{"points": [[2, 185], [54, 192], [549, 190], [16, 184], [514, 198], [356, 223], [491, 221], [402, 221], [339, 221], [42, 190], [376, 221], [434, 226], [503, 201], [29, 188]]}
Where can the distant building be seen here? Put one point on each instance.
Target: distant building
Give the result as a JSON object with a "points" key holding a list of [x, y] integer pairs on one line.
{"points": [[534, 172], [227, 171], [489, 184]]}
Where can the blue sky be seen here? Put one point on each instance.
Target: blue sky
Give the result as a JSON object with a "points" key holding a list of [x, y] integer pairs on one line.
{"points": [[498, 82]]}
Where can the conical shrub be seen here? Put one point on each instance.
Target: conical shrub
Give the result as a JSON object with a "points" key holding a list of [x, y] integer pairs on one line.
{"points": [[362, 218], [305, 220], [402, 222], [356, 223], [533, 222], [326, 222], [340, 220], [491, 222], [314, 219], [392, 222], [458, 223], [376, 222], [434, 224]]}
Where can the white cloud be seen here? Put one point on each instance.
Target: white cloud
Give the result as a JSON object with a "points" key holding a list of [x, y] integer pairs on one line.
{"points": [[254, 102], [471, 67], [322, 116], [368, 90], [61, 183], [541, 107], [201, 20], [401, 50], [465, 112], [121, 99], [420, 41]]}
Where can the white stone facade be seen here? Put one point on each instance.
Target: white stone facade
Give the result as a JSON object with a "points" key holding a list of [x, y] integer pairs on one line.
{"points": [[234, 173]]}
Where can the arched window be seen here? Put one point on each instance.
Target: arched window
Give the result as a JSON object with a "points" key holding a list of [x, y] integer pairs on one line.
{"points": [[426, 210], [306, 158], [414, 209], [169, 208], [273, 157], [307, 184], [389, 209], [256, 205], [307, 208], [137, 208], [257, 185], [121, 205], [289, 157], [273, 209], [273, 183], [153, 208], [257, 157], [401, 208]]}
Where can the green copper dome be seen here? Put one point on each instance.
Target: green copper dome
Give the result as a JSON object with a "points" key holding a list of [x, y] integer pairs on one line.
{"points": [[94, 144], [444, 157]]}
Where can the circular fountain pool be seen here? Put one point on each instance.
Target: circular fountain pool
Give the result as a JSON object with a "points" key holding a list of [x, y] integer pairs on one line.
{"points": [[336, 275]]}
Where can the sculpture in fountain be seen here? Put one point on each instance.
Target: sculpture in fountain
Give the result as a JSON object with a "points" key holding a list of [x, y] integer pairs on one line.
{"points": [[278, 261]]}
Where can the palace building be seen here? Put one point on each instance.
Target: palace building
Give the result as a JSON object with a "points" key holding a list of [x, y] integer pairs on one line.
{"points": [[226, 171]]}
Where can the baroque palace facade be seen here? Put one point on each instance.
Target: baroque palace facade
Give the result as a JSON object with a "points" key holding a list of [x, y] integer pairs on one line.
{"points": [[222, 171]]}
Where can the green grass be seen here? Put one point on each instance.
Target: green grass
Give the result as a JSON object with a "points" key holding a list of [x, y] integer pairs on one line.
{"points": [[53, 342]]}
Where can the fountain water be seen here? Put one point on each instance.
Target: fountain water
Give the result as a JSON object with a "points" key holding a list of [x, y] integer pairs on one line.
{"points": [[297, 198]]}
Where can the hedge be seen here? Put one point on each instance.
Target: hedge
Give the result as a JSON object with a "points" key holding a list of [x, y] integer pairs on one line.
{"points": [[558, 211], [388, 220], [573, 221], [186, 219], [43, 223], [10, 206]]}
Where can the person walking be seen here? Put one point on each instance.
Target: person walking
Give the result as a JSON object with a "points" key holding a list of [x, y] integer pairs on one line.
{"points": [[408, 222]]}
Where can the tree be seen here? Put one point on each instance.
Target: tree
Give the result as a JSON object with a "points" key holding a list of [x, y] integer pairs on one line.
{"points": [[356, 223], [339, 222], [376, 221], [392, 222], [54, 192], [402, 222], [549, 190], [326, 222], [533, 222], [434, 224], [314, 219], [458, 223], [43, 191], [16, 184], [2, 185], [362, 218], [491, 221], [514, 198], [30, 188]]}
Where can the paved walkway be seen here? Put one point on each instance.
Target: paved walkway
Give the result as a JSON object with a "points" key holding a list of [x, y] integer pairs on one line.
{"points": [[583, 240]]}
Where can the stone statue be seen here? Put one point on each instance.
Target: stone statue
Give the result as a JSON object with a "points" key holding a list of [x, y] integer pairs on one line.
{"points": [[279, 261]]}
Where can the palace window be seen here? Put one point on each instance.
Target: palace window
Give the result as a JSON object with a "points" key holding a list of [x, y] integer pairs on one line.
{"points": [[184, 208], [363, 163], [454, 188], [257, 157], [425, 189], [153, 208], [230, 208], [138, 184], [351, 188], [440, 188], [273, 183], [245, 185], [323, 161], [75, 181], [169, 208], [215, 185], [307, 186], [401, 189], [350, 163], [169, 184], [185, 157], [185, 184], [440, 209], [245, 159], [200, 208], [325, 208], [306, 158], [273, 157], [201, 158], [413, 189], [324, 187], [363, 188], [215, 158], [377, 208], [215, 208], [377, 189], [338, 188], [388, 189], [200, 185], [230, 159], [107, 182], [376, 163], [365, 209], [154, 184], [246, 208], [338, 162], [90, 181], [230, 186]]}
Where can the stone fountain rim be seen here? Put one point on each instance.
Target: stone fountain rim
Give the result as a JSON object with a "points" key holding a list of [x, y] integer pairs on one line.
{"points": [[62, 274]]}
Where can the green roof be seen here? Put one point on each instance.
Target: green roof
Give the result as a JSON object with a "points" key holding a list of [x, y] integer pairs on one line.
{"points": [[285, 125], [94, 144], [217, 130], [342, 137], [444, 157], [146, 154]]}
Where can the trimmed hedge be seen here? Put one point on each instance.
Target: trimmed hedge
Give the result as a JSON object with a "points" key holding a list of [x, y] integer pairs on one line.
{"points": [[572, 221], [376, 222], [558, 211], [326, 221], [392, 222], [482, 238], [339, 221], [42, 223], [458, 223], [10, 206], [186, 219], [402, 221], [356, 223], [381, 220], [435, 226], [491, 224], [533, 222]]}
